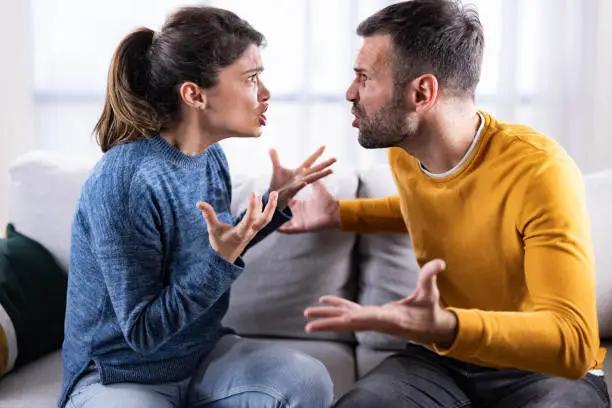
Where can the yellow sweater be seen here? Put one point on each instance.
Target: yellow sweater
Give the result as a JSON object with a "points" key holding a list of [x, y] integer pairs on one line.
{"points": [[512, 226]]}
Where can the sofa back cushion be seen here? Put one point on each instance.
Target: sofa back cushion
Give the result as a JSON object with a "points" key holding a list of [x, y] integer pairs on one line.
{"points": [[387, 264], [284, 274], [599, 202], [43, 190]]}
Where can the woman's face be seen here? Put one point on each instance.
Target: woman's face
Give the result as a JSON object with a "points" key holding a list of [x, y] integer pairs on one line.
{"points": [[236, 106]]}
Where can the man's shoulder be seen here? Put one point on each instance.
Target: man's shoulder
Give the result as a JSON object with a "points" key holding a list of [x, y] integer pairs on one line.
{"points": [[524, 139], [528, 149]]}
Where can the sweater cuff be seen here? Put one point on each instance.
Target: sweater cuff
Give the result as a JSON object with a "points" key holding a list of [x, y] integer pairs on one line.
{"points": [[349, 214], [219, 263], [279, 217], [469, 335]]}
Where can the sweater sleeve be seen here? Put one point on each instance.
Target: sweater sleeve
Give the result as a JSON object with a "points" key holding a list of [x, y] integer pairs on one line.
{"points": [[125, 230], [557, 334], [370, 215]]}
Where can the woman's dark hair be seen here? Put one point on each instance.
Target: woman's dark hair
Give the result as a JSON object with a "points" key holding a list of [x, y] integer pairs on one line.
{"points": [[148, 68], [440, 37]]}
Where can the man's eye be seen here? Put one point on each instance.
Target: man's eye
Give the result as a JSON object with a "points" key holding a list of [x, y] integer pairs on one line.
{"points": [[253, 78]]}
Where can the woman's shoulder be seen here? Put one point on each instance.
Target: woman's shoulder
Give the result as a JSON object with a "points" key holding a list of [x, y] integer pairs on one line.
{"points": [[117, 171]]}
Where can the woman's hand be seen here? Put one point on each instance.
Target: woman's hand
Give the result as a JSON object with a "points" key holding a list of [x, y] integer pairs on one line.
{"points": [[288, 182], [230, 241]]}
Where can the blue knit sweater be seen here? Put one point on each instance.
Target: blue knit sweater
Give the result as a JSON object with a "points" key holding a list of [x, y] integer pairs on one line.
{"points": [[146, 292]]}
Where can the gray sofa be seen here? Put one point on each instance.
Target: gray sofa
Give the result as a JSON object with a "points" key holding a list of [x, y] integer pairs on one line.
{"points": [[284, 274]]}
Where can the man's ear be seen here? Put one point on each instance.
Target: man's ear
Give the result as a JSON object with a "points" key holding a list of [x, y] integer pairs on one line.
{"points": [[422, 92], [193, 96]]}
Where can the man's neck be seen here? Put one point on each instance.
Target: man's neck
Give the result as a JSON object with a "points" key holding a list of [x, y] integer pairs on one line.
{"points": [[442, 143]]}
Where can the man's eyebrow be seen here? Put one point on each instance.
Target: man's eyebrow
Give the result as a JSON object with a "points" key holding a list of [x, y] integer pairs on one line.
{"points": [[255, 70]]}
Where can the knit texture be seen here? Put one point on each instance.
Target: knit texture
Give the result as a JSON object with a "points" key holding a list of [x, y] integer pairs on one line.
{"points": [[146, 292]]}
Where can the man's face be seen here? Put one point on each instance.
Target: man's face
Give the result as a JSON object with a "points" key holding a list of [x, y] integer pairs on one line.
{"points": [[379, 108]]}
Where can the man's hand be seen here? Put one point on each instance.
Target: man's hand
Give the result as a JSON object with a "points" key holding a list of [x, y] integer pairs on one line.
{"points": [[320, 212], [289, 182], [230, 241], [419, 317]]}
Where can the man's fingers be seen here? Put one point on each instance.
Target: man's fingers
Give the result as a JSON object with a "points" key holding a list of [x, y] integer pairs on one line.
{"points": [[353, 321], [323, 311], [411, 298], [291, 227], [313, 158], [427, 276], [319, 187], [335, 324], [339, 302], [208, 212]]}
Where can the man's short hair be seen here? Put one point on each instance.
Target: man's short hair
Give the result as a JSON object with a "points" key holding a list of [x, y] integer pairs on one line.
{"points": [[440, 37]]}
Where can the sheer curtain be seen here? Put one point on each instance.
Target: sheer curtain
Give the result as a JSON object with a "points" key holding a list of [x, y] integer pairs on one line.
{"points": [[546, 65], [600, 147], [552, 72]]}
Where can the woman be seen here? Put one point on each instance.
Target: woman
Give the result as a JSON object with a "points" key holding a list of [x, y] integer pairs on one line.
{"points": [[149, 280]]}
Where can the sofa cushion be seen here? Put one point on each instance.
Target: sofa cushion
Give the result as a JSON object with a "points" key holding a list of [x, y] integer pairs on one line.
{"points": [[599, 201], [32, 300], [43, 190], [286, 273], [37, 384], [387, 264]]}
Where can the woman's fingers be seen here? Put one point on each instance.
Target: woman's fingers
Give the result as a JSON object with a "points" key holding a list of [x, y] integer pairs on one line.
{"points": [[210, 217], [266, 216], [321, 166], [313, 158]]}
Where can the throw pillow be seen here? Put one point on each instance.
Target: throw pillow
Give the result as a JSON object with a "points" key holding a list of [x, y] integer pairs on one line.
{"points": [[32, 301]]}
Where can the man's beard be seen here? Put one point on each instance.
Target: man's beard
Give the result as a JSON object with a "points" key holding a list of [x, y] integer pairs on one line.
{"points": [[386, 128]]}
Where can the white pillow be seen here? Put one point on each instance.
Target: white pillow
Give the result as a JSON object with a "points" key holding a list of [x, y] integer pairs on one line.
{"points": [[43, 190]]}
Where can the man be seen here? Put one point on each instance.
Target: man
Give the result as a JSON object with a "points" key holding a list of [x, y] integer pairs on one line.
{"points": [[504, 310]]}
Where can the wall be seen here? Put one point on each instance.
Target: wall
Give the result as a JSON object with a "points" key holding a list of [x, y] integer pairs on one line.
{"points": [[602, 85], [16, 84]]}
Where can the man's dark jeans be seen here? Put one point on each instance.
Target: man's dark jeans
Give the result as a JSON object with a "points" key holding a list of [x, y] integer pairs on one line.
{"points": [[421, 378]]}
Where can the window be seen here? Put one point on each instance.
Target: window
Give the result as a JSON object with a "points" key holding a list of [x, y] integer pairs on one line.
{"points": [[308, 63]]}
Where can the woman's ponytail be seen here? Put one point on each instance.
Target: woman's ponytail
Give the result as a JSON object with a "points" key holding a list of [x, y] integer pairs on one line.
{"points": [[127, 115]]}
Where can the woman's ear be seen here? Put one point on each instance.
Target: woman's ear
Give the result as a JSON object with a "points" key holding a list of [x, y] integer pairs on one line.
{"points": [[193, 96]]}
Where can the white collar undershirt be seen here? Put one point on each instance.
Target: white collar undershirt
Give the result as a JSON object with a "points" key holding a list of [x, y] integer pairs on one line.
{"points": [[465, 157]]}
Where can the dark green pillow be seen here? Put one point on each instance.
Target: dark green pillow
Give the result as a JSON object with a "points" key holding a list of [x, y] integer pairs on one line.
{"points": [[33, 297]]}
